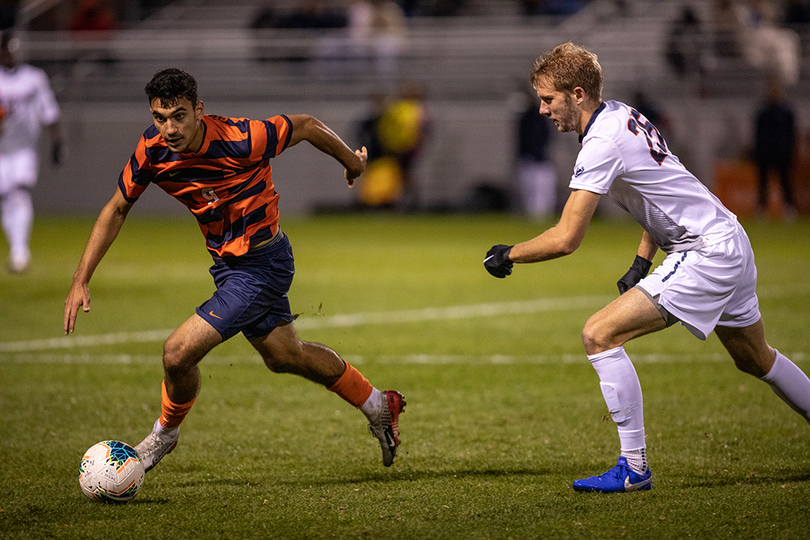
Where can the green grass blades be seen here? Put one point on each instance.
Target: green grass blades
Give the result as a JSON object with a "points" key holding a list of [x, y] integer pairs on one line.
{"points": [[503, 413]]}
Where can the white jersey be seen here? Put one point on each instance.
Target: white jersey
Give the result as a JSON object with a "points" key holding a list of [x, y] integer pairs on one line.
{"points": [[625, 157], [28, 103]]}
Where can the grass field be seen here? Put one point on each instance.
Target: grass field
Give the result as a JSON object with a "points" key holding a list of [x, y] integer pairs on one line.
{"points": [[504, 410]]}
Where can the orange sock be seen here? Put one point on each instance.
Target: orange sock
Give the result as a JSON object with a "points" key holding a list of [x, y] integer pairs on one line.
{"points": [[172, 414], [352, 386]]}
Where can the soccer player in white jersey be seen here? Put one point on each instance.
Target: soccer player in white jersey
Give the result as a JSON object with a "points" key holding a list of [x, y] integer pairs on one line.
{"points": [[28, 104], [706, 282]]}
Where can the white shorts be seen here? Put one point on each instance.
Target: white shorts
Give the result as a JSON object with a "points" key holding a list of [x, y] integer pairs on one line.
{"points": [[18, 169], [707, 287]]}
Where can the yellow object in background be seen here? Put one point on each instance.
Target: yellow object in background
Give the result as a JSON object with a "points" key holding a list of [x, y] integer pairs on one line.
{"points": [[400, 126], [381, 182]]}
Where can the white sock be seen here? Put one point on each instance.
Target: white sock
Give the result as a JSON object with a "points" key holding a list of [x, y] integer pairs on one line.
{"points": [[791, 384], [636, 460], [161, 431], [622, 392], [373, 406]]}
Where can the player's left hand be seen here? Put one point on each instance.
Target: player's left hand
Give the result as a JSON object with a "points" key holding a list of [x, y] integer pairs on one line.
{"points": [[638, 271], [78, 297], [498, 262], [357, 171]]}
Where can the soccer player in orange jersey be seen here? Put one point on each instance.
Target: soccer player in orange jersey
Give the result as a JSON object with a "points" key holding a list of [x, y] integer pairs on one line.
{"points": [[219, 168]]}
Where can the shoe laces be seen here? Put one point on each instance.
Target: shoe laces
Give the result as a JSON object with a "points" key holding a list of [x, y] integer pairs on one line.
{"points": [[620, 471]]}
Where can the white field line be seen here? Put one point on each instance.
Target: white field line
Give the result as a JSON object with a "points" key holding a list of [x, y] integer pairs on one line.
{"points": [[363, 319], [334, 321], [412, 359]]}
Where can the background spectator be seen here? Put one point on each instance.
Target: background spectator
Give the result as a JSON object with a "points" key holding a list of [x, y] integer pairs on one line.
{"points": [[396, 131], [313, 14], [537, 180], [377, 31], [93, 16], [774, 145], [686, 44], [729, 21]]}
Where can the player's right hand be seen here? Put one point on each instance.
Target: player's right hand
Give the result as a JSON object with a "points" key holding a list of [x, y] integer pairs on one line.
{"points": [[357, 171], [78, 296], [498, 262]]}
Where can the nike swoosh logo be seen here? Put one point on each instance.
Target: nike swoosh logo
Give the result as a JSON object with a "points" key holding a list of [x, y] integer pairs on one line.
{"points": [[220, 318], [633, 487], [488, 258], [175, 173]]}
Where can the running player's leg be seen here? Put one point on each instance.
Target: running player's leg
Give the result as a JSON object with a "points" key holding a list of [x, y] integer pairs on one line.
{"points": [[283, 352], [742, 332], [752, 354], [17, 212], [182, 351], [18, 176], [631, 315]]}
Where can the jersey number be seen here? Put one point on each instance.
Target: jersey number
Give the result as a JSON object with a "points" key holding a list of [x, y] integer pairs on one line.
{"points": [[656, 143], [209, 195]]}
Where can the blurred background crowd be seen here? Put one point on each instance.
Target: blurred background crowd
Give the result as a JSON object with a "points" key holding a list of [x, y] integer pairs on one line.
{"points": [[436, 89]]}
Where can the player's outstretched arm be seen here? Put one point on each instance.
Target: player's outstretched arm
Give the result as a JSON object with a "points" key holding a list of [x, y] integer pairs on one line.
{"points": [[105, 231], [566, 236], [318, 134], [562, 239]]}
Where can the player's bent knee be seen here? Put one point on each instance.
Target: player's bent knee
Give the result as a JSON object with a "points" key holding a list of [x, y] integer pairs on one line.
{"points": [[593, 339], [174, 364], [176, 358]]}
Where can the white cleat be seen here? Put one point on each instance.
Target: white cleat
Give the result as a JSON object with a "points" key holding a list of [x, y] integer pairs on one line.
{"points": [[18, 265], [156, 445]]}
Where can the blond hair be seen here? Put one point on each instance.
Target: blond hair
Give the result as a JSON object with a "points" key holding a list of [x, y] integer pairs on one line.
{"points": [[568, 66]]}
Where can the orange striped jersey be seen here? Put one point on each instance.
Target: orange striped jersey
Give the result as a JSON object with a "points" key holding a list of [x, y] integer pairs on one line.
{"points": [[227, 184]]}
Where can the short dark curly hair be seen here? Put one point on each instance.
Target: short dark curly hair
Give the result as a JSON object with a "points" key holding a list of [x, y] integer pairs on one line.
{"points": [[170, 85]]}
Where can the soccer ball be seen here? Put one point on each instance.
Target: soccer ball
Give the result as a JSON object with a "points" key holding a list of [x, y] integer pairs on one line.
{"points": [[111, 472]]}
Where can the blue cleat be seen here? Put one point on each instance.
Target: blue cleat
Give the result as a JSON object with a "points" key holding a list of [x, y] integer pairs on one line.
{"points": [[617, 480]]}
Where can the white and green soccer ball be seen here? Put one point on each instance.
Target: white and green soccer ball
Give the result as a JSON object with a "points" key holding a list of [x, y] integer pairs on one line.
{"points": [[111, 472]]}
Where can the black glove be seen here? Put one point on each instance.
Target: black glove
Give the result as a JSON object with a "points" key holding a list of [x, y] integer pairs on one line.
{"points": [[497, 262], [639, 269]]}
